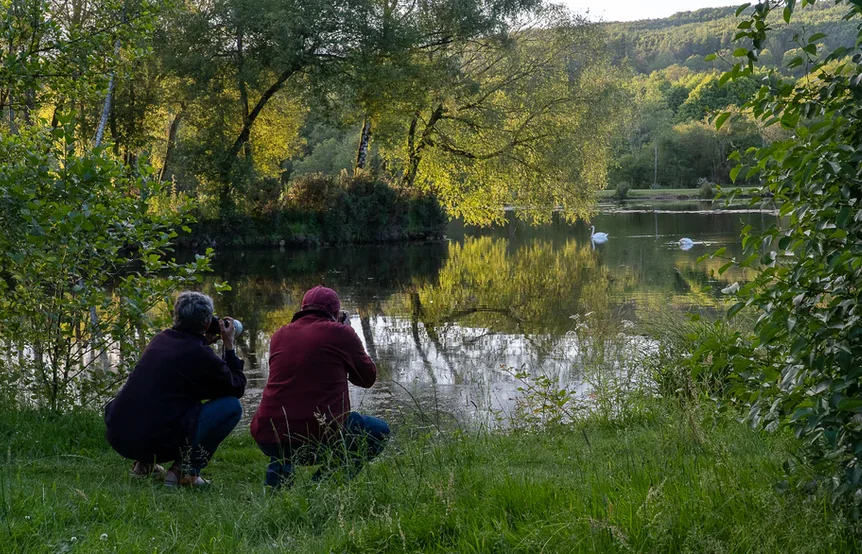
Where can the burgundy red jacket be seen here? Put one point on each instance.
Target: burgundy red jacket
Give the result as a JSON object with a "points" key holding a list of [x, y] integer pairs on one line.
{"points": [[155, 415], [310, 362]]}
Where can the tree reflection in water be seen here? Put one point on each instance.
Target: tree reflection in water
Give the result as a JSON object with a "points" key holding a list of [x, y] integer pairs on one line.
{"points": [[443, 319]]}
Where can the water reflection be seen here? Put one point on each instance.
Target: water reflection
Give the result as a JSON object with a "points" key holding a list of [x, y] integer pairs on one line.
{"points": [[442, 319]]}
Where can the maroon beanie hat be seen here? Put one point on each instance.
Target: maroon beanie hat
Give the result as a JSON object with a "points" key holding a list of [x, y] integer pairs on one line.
{"points": [[322, 298]]}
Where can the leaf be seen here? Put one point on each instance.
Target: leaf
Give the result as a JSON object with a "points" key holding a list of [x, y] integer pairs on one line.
{"points": [[734, 172], [788, 12], [850, 405], [816, 36], [735, 309], [719, 121], [790, 120], [740, 52]]}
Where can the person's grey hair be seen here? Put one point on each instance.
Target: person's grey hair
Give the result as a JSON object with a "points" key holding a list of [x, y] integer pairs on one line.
{"points": [[193, 310]]}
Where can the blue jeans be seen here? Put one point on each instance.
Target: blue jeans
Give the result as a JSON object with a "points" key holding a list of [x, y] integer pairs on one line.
{"points": [[217, 419], [363, 438]]}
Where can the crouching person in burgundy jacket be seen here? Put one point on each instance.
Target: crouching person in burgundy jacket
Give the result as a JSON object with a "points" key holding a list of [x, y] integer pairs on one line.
{"points": [[159, 416], [304, 415]]}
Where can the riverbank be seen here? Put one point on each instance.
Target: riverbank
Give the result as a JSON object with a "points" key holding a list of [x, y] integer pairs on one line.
{"points": [[669, 194], [667, 482]]}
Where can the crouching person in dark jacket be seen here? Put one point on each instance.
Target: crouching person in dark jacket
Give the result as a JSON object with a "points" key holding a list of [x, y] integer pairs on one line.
{"points": [[158, 416]]}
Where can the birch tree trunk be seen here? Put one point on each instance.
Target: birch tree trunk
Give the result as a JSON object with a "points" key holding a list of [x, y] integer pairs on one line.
{"points": [[364, 141], [106, 107]]}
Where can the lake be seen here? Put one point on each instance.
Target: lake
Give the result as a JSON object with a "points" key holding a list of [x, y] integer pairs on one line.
{"points": [[450, 322]]}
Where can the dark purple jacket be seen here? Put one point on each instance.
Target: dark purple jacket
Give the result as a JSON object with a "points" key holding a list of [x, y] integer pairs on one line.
{"points": [[310, 363], [156, 412]]}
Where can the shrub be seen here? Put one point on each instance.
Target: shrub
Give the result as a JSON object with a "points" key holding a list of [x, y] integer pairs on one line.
{"points": [[707, 188], [314, 193], [83, 260], [319, 209], [622, 190], [803, 364]]}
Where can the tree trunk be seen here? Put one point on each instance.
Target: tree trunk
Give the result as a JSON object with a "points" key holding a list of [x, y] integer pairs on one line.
{"points": [[364, 140], [412, 155], [13, 129], [243, 90], [244, 134], [172, 141], [29, 105], [414, 147], [106, 107]]}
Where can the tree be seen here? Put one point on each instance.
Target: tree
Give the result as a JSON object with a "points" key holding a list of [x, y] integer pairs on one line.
{"points": [[523, 120]]}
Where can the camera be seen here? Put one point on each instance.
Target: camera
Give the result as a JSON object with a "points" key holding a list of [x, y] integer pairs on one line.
{"points": [[214, 328]]}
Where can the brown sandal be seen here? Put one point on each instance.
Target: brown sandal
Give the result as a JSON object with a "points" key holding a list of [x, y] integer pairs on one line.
{"points": [[147, 469], [175, 478]]}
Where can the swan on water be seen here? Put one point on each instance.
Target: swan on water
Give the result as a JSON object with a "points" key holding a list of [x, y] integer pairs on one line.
{"points": [[597, 237], [686, 243]]}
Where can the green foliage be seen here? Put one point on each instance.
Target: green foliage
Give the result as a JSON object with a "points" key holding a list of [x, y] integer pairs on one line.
{"points": [[707, 189], [83, 262], [621, 191], [802, 364], [525, 121], [688, 38], [322, 209]]}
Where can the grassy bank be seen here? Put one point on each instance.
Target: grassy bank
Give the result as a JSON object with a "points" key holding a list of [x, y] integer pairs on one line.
{"points": [[666, 483], [668, 194]]}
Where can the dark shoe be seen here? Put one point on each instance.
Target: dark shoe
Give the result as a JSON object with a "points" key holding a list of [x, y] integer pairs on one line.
{"points": [[279, 475]]}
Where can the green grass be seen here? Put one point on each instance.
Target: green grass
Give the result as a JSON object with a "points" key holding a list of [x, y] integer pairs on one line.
{"points": [[659, 484], [668, 194]]}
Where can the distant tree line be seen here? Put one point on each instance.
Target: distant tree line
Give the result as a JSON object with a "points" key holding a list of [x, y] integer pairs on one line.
{"points": [[668, 138]]}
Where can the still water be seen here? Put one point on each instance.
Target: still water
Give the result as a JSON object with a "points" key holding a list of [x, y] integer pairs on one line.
{"points": [[448, 322]]}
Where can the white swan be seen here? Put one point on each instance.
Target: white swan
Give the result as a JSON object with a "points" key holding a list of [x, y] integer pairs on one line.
{"points": [[597, 237], [686, 243]]}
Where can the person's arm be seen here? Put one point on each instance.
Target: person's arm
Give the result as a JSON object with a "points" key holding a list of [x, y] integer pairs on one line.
{"points": [[361, 370], [222, 377], [225, 376]]}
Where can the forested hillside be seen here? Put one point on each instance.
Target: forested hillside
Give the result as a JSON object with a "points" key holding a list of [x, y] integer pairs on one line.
{"points": [[687, 37], [667, 139]]}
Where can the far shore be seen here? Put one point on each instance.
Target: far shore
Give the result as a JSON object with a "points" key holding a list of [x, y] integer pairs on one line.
{"points": [[672, 194]]}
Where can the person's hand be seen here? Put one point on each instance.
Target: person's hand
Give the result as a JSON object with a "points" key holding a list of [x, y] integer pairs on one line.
{"points": [[343, 317], [227, 333]]}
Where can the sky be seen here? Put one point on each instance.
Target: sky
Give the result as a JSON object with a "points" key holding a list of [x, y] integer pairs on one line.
{"points": [[630, 10]]}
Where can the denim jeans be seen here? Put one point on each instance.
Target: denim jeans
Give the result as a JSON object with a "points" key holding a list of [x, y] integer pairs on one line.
{"points": [[363, 438], [217, 419]]}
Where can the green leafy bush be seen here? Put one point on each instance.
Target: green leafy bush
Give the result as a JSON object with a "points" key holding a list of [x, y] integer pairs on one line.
{"points": [[802, 366], [83, 262], [321, 209], [707, 188], [622, 190]]}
